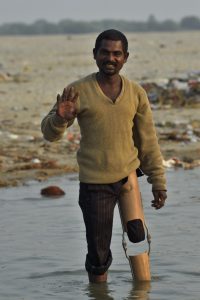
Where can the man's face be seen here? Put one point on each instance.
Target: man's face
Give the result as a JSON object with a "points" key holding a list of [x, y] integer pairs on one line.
{"points": [[110, 57]]}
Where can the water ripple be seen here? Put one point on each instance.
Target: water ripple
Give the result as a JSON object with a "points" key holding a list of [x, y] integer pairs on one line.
{"points": [[56, 273]]}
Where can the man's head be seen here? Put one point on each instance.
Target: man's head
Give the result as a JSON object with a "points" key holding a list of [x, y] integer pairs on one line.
{"points": [[111, 52], [112, 35]]}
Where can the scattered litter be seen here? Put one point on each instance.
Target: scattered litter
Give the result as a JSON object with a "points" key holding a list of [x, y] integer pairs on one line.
{"points": [[175, 162], [18, 77], [73, 137], [28, 138], [178, 131], [13, 136], [5, 77], [176, 92], [172, 162], [36, 161]]}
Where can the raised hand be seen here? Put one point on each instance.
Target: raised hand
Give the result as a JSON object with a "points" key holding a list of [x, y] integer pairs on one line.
{"points": [[67, 104]]}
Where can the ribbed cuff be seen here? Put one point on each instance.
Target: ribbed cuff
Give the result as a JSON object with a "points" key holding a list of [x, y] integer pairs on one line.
{"points": [[157, 187], [98, 270], [57, 120]]}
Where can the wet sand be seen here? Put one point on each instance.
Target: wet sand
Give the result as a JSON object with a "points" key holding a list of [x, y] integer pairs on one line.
{"points": [[34, 69]]}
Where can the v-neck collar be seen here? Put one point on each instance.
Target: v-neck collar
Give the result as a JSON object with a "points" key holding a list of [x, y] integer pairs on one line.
{"points": [[102, 93]]}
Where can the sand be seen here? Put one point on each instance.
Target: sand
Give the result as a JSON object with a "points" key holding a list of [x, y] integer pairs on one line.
{"points": [[34, 69]]}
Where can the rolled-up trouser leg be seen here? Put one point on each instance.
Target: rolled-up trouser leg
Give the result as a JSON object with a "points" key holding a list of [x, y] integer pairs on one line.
{"points": [[97, 202]]}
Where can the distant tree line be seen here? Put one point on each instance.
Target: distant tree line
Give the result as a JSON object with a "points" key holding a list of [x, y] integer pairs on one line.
{"points": [[77, 27]]}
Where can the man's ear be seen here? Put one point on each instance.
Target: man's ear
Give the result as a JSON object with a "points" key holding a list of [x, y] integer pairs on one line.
{"points": [[94, 53], [126, 56]]}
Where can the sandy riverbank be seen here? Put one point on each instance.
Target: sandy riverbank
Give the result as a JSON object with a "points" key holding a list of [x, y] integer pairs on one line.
{"points": [[36, 68]]}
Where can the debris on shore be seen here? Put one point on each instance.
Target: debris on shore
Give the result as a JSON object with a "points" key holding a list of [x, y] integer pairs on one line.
{"points": [[182, 91], [175, 162], [179, 131]]}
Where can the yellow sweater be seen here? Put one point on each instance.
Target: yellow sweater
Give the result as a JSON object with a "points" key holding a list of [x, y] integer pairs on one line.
{"points": [[116, 138]]}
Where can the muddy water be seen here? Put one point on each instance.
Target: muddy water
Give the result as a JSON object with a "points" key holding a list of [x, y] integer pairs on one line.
{"points": [[42, 245]]}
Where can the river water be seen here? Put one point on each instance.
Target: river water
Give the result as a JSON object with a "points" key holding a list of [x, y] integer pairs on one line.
{"points": [[42, 244]]}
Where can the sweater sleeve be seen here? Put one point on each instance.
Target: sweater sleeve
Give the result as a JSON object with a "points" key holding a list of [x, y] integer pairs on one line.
{"points": [[53, 126], [146, 141]]}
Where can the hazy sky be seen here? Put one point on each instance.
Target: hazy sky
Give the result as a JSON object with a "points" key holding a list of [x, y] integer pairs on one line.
{"points": [[55, 10]]}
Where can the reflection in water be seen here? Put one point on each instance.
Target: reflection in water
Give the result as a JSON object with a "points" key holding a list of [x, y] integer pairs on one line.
{"points": [[139, 290], [99, 291]]}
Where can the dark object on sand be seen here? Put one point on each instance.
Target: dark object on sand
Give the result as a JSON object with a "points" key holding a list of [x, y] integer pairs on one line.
{"points": [[52, 190]]}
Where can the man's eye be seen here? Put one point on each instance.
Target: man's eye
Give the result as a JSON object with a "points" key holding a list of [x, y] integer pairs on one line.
{"points": [[118, 53], [104, 52]]}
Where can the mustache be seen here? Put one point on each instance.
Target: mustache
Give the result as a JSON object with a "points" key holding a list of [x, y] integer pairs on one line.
{"points": [[108, 62]]}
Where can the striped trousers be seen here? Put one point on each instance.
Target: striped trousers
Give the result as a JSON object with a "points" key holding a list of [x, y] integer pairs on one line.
{"points": [[97, 202]]}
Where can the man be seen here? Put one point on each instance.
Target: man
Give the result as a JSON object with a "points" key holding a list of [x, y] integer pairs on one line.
{"points": [[117, 137]]}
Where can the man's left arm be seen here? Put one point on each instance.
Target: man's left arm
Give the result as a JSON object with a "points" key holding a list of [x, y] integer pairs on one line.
{"points": [[149, 154]]}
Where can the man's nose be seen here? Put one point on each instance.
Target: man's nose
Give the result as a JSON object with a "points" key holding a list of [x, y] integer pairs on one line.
{"points": [[111, 57]]}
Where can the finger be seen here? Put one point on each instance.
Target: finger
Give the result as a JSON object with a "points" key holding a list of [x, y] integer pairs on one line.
{"points": [[158, 200], [158, 204], [156, 197], [68, 94], [163, 196], [65, 94], [75, 98], [155, 203], [59, 98], [71, 93], [159, 195]]}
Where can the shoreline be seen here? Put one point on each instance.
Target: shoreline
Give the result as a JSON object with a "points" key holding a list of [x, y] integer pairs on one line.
{"points": [[25, 155], [36, 173], [23, 159]]}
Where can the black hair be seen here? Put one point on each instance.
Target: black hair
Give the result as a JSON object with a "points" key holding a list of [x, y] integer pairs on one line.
{"points": [[113, 35]]}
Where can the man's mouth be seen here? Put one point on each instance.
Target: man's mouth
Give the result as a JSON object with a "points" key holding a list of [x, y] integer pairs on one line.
{"points": [[109, 64]]}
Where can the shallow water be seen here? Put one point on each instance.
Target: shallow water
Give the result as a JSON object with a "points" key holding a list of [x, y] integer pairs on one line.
{"points": [[42, 244]]}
